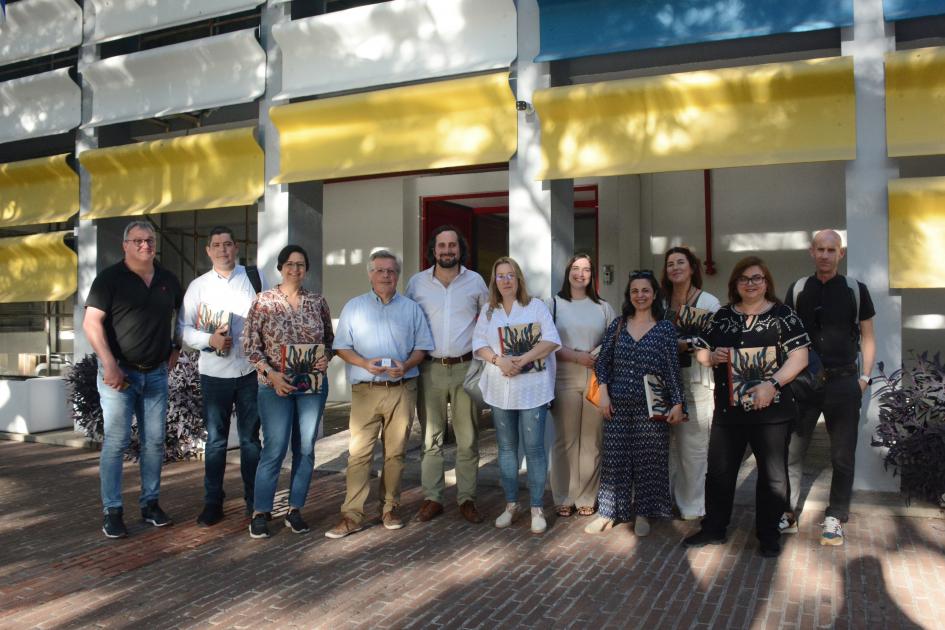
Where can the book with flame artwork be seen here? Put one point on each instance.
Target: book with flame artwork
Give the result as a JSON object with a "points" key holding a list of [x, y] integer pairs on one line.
{"points": [[298, 365], [748, 367], [689, 321], [209, 319], [517, 339], [658, 403]]}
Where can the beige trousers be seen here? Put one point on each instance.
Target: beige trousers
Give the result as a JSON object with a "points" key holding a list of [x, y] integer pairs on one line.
{"points": [[575, 456], [377, 410]]}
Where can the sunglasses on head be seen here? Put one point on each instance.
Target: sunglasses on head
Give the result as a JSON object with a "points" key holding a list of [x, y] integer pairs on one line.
{"points": [[641, 273]]}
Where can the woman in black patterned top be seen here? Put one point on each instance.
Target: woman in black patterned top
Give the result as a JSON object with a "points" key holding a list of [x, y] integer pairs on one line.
{"points": [[756, 346], [634, 477]]}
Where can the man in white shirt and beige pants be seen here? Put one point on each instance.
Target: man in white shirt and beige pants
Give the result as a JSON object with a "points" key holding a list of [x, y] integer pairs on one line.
{"points": [[451, 296]]}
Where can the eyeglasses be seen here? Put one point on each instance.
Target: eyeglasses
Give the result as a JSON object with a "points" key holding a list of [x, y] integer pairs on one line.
{"points": [[746, 280], [223, 245], [294, 265], [385, 272], [505, 276], [140, 242], [641, 273]]}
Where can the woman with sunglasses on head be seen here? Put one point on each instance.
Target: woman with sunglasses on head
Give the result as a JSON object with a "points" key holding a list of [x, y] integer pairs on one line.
{"points": [[516, 338], [686, 303], [289, 414], [756, 346], [581, 317], [634, 478]]}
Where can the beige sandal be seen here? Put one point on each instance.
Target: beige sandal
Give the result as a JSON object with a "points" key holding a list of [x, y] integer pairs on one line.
{"points": [[599, 525]]}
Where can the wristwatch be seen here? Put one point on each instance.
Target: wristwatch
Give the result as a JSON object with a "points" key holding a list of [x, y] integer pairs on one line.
{"points": [[774, 382], [866, 379]]}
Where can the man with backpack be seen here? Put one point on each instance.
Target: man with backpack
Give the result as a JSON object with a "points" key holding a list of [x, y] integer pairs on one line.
{"points": [[837, 312], [211, 320]]}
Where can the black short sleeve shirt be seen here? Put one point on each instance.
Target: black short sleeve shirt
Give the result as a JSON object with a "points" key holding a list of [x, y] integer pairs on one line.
{"points": [[138, 318], [779, 327], [828, 312]]}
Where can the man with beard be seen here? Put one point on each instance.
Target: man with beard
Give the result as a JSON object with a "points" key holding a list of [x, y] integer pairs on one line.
{"points": [[450, 296]]}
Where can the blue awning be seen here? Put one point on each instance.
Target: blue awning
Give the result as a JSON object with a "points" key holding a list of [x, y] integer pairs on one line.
{"points": [[580, 28], [904, 9]]}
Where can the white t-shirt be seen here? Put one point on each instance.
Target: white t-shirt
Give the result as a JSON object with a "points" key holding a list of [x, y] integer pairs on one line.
{"points": [[581, 325], [523, 391]]}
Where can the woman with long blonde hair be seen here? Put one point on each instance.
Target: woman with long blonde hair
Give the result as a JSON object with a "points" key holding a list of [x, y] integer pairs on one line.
{"points": [[516, 337]]}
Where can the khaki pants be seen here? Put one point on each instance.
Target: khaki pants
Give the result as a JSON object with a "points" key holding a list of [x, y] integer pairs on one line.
{"points": [[575, 458], [441, 384], [377, 409]]}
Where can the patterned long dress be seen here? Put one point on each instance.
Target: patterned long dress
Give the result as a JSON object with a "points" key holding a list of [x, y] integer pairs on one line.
{"points": [[634, 476]]}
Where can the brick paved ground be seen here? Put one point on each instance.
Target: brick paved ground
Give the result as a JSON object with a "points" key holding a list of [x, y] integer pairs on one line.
{"points": [[58, 571]]}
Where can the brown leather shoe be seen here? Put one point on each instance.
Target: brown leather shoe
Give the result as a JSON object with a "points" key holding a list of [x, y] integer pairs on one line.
{"points": [[391, 520], [469, 512], [344, 527], [429, 510]]}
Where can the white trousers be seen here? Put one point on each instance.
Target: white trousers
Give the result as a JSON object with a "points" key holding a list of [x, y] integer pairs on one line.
{"points": [[688, 448]]}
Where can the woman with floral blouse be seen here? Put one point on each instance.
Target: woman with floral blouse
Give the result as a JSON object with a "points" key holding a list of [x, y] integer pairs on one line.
{"points": [[291, 401]]}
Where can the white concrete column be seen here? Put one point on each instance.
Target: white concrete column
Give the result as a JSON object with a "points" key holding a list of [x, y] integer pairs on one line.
{"points": [[867, 214], [86, 231], [541, 213], [288, 213]]}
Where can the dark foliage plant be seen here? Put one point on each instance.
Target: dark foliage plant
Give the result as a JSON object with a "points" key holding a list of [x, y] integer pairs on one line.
{"points": [[185, 436], [912, 426]]}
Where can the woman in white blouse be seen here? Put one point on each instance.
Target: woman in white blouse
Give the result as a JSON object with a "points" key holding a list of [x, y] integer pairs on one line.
{"points": [[682, 284], [517, 381], [581, 317]]}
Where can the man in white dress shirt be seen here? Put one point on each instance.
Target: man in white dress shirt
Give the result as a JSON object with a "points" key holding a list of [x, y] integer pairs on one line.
{"points": [[226, 377], [450, 296]]}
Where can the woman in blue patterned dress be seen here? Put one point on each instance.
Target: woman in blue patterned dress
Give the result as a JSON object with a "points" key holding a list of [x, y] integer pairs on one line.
{"points": [[634, 479]]}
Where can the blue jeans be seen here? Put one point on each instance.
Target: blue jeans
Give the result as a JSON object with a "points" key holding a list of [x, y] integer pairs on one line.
{"points": [[219, 395], [287, 419], [532, 422], [146, 399]]}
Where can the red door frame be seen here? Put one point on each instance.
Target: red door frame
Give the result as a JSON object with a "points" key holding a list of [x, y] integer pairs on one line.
{"points": [[504, 208]]}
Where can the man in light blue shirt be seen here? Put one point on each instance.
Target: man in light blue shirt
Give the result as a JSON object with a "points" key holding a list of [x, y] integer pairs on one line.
{"points": [[226, 377], [383, 337]]}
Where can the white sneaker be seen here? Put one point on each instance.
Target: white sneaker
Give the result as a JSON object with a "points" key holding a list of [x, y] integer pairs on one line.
{"points": [[787, 524], [599, 525], [833, 532], [505, 519], [538, 521], [641, 526]]}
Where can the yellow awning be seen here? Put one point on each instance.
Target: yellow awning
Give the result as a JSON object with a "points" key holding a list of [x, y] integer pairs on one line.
{"points": [[460, 122], [916, 233], [208, 170], [44, 190], [915, 102], [37, 268], [777, 113]]}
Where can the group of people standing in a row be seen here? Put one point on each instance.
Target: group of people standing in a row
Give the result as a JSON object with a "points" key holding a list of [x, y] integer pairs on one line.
{"points": [[612, 456]]}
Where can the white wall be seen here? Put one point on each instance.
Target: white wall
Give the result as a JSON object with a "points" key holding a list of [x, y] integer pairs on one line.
{"points": [[769, 211]]}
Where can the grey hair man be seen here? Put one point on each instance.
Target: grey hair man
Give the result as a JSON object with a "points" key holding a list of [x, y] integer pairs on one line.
{"points": [[382, 336], [128, 322]]}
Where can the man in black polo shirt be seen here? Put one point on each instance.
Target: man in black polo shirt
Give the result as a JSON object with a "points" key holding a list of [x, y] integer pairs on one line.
{"points": [[128, 322], [827, 305]]}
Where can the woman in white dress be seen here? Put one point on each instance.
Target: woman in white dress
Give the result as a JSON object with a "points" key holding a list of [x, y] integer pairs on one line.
{"points": [[689, 445]]}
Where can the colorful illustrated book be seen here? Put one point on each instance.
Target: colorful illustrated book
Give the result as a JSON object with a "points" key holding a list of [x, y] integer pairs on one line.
{"points": [[209, 319], [748, 367], [689, 321], [298, 365], [517, 339], [658, 403]]}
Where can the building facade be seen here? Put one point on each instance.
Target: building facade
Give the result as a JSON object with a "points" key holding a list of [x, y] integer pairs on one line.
{"points": [[540, 127]]}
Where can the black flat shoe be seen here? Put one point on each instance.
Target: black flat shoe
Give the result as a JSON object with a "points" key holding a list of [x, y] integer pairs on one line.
{"points": [[703, 538], [211, 515]]}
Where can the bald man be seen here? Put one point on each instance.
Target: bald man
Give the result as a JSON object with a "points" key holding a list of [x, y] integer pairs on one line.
{"points": [[827, 305]]}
